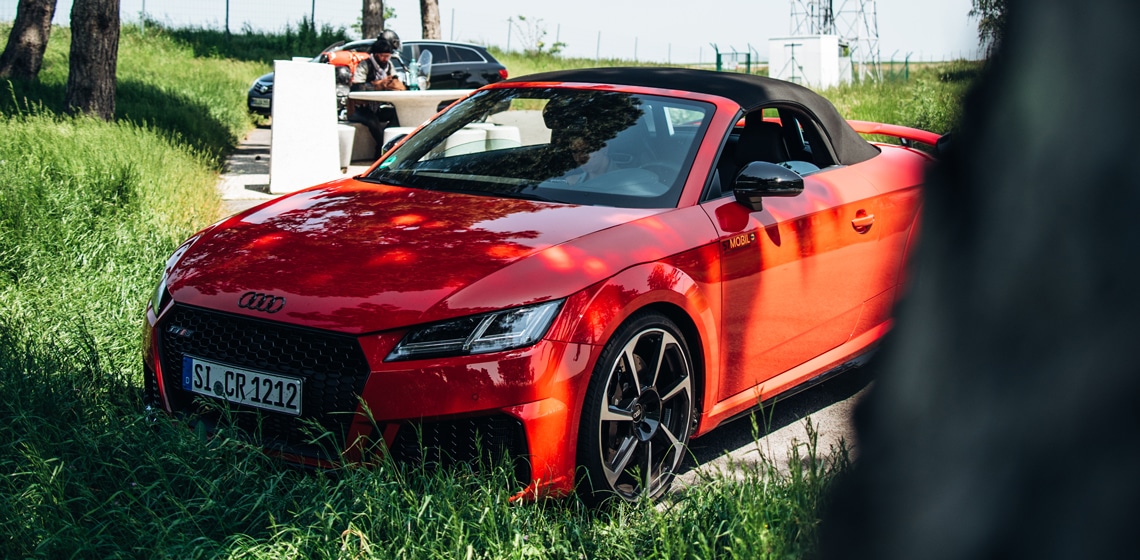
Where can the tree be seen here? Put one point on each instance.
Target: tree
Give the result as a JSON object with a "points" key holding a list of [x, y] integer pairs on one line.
{"points": [[94, 56], [28, 40], [372, 22], [429, 14], [533, 31], [991, 22]]}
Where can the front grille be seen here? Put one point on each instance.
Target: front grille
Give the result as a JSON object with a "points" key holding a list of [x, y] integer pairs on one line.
{"points": [[332, 366], [150, 388], [479, 441]]}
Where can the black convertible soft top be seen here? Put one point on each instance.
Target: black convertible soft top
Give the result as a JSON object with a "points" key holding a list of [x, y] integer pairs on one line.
{"points": [[750, 92]]}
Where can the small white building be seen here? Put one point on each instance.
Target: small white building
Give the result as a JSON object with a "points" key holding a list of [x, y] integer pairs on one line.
{"points": [[815, 61]]}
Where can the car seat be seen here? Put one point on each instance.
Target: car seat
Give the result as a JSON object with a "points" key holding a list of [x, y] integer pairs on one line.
{"points": [[760, 141]]}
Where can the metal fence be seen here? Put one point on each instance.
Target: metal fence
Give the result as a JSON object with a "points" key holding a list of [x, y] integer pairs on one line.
{"points": [[259, 15]]}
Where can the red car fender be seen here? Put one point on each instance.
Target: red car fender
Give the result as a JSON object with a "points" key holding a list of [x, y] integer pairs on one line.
{"points": [[658, 284], [592, 316]]}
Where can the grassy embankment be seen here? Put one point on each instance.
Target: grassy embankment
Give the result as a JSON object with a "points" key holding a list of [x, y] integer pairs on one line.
{"points": [[90, 210]]}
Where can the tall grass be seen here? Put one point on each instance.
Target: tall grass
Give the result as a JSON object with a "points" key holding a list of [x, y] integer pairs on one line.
{"points": [[306, 39], [161, 85], [521, 64], [931, 99], [88, 212]]}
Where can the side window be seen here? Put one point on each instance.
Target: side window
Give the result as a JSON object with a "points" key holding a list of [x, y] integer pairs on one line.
{"points": [[683, 120], [463, 54], [438, 53], [781, 135]]}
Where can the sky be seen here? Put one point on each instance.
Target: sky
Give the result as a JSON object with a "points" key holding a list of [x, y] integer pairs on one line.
{"points": [[661, 30]]}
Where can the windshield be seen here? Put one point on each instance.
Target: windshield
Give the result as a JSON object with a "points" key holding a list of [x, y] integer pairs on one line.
{"points": [[575, 146]]}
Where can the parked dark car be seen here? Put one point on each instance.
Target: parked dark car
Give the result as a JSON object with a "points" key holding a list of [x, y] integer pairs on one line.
{"points": [[454, 66]]}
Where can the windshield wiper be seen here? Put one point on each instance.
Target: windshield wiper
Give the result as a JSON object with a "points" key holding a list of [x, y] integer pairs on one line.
{"points": [[384, 178], [527, 196]]}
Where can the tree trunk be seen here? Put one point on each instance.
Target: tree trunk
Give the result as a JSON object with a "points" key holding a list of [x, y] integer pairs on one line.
{"points": [[372, 21], [94, 56], [429, 14], [28, 40]]}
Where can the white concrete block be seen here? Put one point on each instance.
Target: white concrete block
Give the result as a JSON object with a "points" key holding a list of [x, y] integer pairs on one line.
{"points": [[305, 146]]}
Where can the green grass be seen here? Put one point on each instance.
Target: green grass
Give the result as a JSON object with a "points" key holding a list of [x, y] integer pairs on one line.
{"points": [[930, 100], [303, 40], [89, 210], [520, 64]]}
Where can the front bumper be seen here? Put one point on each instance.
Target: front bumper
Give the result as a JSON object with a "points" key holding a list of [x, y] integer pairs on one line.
{"points": [[522, 403], [260, 103]]}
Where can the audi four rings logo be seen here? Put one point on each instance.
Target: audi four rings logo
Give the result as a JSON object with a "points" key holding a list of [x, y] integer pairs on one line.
{"points": [[261, 302]]}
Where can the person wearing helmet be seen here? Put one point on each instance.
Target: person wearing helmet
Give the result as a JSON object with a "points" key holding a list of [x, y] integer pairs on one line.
{"points": [[393, 39], [376, 73]]}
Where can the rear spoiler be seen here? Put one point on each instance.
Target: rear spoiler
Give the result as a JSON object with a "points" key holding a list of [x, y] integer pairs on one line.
{"points": [[904, 133]]}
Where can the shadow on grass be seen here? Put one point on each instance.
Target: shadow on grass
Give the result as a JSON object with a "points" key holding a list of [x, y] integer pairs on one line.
{"points": [[183, 120]]}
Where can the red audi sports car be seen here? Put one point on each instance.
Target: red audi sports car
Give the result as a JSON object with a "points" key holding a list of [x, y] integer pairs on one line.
{"points": [[578, 270]]}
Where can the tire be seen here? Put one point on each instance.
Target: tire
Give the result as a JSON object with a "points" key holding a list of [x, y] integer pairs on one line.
{"points": [[638, 413]]}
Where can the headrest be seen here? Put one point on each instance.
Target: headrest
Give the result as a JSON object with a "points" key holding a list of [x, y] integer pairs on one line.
{"points": [[760, 141], [560, 114]]}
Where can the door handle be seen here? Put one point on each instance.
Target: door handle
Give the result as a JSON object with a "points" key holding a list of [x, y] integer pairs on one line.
{"points": [[863, 221]]}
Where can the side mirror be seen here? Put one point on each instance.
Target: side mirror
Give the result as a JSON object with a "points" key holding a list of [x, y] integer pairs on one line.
{"points": [[942, 147], [760, 178]]}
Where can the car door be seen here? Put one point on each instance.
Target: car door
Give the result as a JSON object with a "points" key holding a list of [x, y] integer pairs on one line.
{"points": [[793, 276], [467, 67]]}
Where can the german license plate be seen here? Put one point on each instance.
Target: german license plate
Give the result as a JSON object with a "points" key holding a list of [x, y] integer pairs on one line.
{"points": [[259, 102], [259, 389]]}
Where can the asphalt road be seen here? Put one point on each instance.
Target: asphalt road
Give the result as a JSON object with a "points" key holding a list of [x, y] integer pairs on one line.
{"points": [[769, 434]]}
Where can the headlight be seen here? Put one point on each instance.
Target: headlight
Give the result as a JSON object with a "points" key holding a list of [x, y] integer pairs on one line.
{"points": [[478, 334], [161, 296]]}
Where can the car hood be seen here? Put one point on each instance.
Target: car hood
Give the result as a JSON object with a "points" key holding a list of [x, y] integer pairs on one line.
{"points": [[359, 257]]}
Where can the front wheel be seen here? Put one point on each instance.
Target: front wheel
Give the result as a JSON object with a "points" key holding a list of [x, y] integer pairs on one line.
{"points": [[638, 412]]}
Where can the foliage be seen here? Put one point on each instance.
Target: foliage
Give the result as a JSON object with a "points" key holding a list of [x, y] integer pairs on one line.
{"points": [[930, 100], [162, 85], [258, 46], [991, 21], [532, 32], [521, 64], [389, 14]]}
